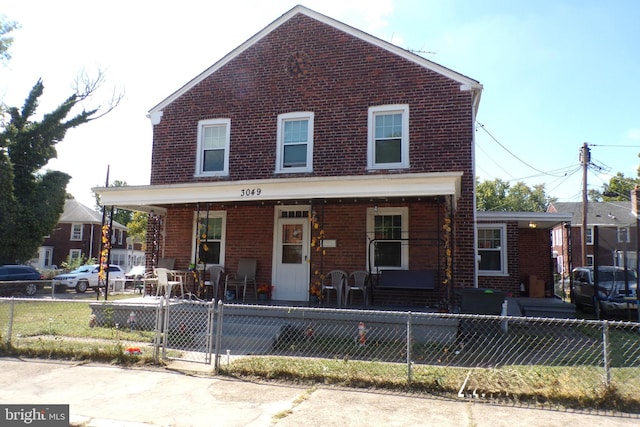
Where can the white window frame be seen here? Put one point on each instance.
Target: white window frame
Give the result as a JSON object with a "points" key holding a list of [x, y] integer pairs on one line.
{"points": [[404, 213], [589, 236], [296, 116], [202, 125], [590, 260], [75, 254], [76, 231], [503, 250], [371, 140], [623, 235], [223, 233]]}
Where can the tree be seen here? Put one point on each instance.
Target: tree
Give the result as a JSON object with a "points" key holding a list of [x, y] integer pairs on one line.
{"points": [[498, 195], [6, 40], [618, 188], [123, 216], [31, 200]]}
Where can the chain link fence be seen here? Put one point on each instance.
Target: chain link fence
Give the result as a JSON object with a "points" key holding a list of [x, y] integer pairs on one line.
{"points": [[581, 363]]}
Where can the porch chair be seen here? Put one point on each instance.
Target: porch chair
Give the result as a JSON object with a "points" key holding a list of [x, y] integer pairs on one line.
{"points": [[246, 274], [359, 280], [165, 284], [334, 281], [212, 285]]}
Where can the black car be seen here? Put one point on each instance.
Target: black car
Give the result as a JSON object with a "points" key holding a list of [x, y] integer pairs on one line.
{"points": [[616, 289], [19, 278]]}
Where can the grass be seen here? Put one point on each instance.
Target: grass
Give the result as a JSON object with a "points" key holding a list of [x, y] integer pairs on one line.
{"points": [[572, 379]]}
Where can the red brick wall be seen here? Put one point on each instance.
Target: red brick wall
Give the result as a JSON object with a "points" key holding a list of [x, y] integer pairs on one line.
{"points": [[345, 77]]}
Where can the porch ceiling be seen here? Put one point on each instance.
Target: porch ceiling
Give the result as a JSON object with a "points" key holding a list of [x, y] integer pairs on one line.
{"points": [[152, 197]]}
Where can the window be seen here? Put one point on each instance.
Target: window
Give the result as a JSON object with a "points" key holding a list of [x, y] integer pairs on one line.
{"points": [[75, 254], [492, 249], [388, 141], [388, 227], [589, 260], [211, 233], [589, 237], [623, 235], [295, 142], [76, 231], [213, 147], [120, 236]]}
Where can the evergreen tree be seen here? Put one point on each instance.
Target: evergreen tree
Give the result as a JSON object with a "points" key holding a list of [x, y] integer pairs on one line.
{"points": [[31, 201]]}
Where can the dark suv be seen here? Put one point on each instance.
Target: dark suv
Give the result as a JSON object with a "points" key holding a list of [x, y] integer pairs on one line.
{"points": [[616, 289], [22, 278]]}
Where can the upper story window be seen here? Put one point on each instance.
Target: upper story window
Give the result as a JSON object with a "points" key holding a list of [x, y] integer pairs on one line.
{"points": [[214, 138], [388, 141], [492, 249], [76, 231], [589, 238], [295, 142], [623, 235]]}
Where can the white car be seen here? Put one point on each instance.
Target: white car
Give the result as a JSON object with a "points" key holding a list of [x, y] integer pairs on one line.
{"points": [[85, 277]]}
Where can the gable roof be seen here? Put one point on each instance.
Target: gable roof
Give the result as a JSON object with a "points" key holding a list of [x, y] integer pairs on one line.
{"points": [[76, 212], [466, 83], [607, 214]]}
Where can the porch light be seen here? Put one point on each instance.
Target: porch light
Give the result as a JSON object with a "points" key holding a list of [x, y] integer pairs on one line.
{"points": [[532, 224]]}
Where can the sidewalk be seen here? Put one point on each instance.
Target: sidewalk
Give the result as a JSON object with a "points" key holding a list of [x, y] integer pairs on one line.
{"points": [[102, 395]]}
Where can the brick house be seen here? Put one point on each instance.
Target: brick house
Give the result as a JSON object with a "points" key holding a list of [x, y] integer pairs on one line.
{"points": [[77, 234], [313, 147], [615, 240]]}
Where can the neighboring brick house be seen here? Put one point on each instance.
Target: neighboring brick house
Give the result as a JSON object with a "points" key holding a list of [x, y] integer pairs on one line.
{"points": [[77, 234], [515, 251], [312, 147], [616, 236]]}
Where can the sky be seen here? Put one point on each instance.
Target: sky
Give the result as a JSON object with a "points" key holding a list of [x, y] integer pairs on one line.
{"points": [[556, 74]]}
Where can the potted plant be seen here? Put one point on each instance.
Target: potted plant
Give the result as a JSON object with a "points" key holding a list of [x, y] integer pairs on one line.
{"points": [[264, 292], [315, 292]]}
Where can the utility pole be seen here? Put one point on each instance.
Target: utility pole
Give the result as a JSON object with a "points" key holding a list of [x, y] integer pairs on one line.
{"points": [[585, 158]]}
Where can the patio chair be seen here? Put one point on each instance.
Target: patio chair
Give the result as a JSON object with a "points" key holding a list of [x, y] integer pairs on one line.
{"points": [[334, 281], [165, 285], [246, 274], [357, 281], [212, 285]]}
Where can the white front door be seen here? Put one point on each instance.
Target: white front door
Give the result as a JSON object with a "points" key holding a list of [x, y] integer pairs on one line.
{"points": [[291, 276]]}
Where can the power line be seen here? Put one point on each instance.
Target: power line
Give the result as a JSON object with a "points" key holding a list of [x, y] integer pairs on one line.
{"points": [[509, 151]]}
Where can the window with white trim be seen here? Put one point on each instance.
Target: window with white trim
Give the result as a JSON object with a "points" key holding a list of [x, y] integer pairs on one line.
{"points": [[76, 232], [211, 237], [389, 228], [589, 237], [623, 235], [75, 254], [214, 138], [388, 140], [295, 142], [492, 249], [590, 260]]}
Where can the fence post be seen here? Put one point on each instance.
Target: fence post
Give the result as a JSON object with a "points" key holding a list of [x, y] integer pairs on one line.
{"points": [[10, 326], [216, 351], [409, 340], [606, 352]]}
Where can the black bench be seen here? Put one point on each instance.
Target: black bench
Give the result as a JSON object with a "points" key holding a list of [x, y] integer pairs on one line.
{"points": [[406, 279]]}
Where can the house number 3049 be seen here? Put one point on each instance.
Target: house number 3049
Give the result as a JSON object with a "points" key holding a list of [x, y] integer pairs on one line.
{"points": [[248, 192]]}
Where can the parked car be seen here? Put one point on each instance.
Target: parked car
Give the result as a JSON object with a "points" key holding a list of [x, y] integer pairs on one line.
{"points": [[614, 285], [29, 279], [135, 275], [85, 277]]}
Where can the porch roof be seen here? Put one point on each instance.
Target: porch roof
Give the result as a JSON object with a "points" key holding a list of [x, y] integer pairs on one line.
{"points": [[153, 197], [543, 220]]}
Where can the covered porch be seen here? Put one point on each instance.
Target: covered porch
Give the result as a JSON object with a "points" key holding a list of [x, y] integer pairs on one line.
{"points": [[299, 230]]}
